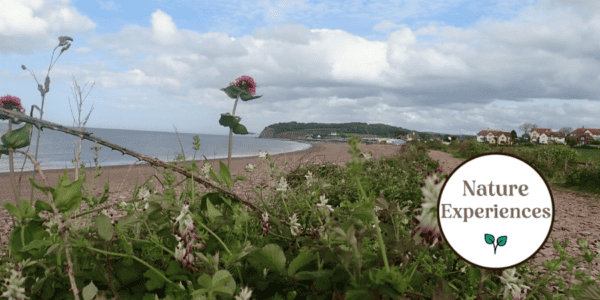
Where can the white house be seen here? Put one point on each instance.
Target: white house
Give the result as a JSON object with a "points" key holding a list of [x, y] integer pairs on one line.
{"points": [[546, 135], [494, 136]]}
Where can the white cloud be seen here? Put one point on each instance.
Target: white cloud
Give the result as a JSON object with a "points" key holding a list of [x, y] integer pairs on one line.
{"points": [[164, 30], [323, 73]]}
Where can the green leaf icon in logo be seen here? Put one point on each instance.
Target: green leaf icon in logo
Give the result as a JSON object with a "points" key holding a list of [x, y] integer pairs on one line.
{"points": [[490, 240]]}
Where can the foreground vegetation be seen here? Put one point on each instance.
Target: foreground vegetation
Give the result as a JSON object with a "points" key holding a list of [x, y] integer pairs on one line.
{"points": [[327, 232]]}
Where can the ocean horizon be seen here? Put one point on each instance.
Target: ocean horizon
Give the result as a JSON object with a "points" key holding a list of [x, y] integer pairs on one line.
{"points": [[57, 149]]}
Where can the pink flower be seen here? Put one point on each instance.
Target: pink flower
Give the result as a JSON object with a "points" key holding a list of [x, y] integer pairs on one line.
{"points": [[439, 169], [419, 170], [246, 82], [10, 102]]}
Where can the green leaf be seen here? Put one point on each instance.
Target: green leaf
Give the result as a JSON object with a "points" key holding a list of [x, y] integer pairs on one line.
{"points": [[156, 281], [214, 177], [227, 120], [18, 138], [26, 208], [105, 229], [174, 268], [67, 196], [227, 289], [240, 129], [13, 210], [245, 95], [301, 260], [212, 211], [590, 292], [271, 257], [232, 91], [36, 244], [220, 278], [41, 205], [39, 187], [90, 291], [363, 213], [22, 237], [205, 281], [128, 222], [224, 174]]}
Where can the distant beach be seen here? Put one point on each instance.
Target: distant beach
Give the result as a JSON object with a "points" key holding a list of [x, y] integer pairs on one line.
{"points": [[57, 149]]}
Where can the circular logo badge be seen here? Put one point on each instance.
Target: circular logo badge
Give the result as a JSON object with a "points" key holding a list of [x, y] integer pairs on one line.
{"points": [[495, 211]]}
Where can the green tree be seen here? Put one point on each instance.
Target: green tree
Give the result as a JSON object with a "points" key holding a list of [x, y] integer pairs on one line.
{"points": [[571, 141], [513, 136]]}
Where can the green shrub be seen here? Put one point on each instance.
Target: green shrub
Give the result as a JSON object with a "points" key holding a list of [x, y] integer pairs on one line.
{"points": [[587, 178], [472, 148]]}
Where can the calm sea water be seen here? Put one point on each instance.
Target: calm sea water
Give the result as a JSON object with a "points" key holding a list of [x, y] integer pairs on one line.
{"points": [[57, 149]]}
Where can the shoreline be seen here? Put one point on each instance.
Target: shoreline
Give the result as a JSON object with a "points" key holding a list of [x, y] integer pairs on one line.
{"points": [[145, 163]]}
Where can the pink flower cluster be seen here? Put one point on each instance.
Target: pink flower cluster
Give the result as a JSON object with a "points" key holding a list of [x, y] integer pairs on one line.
{"points": [[246, 82], [188, 241], [11, 102], [265, 224], [439, 169]]}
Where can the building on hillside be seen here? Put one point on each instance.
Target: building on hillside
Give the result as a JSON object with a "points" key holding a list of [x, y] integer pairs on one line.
{"points": [[494, 137], [546, 136], [585, 135], [559, 137], [333, 133]]}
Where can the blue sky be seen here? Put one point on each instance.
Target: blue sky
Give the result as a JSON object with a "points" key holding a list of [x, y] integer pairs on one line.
{"points": [[443, 66]]}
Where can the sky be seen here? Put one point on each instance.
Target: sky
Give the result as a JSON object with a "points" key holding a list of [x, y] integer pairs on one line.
{"points": [[442, 66]]}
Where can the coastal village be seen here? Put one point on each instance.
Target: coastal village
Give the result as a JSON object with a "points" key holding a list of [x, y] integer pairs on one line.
{"points": [[583, 136]]}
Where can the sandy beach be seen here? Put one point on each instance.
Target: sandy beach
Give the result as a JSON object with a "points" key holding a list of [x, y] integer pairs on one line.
{"points": [[122, 179]]}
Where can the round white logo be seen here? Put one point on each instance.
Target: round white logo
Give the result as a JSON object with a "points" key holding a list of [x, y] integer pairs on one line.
{"points": [[495, 211]]}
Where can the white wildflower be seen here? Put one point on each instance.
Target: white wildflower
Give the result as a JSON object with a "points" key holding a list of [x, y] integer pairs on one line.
{"points": [[146, 206], [323, 203], [265, 217], [250, 167], [309, 178], [294, 225], [179, 251], [105, 212], [245, 294], [143, 193], [262, 154], [206, 169], [123, 204], [282, 186], [184, 210], [13, 286], [367, 155], [265, 271]]}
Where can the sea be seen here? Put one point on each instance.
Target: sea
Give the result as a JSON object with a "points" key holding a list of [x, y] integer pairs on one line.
{"points": [[57, 148]]}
